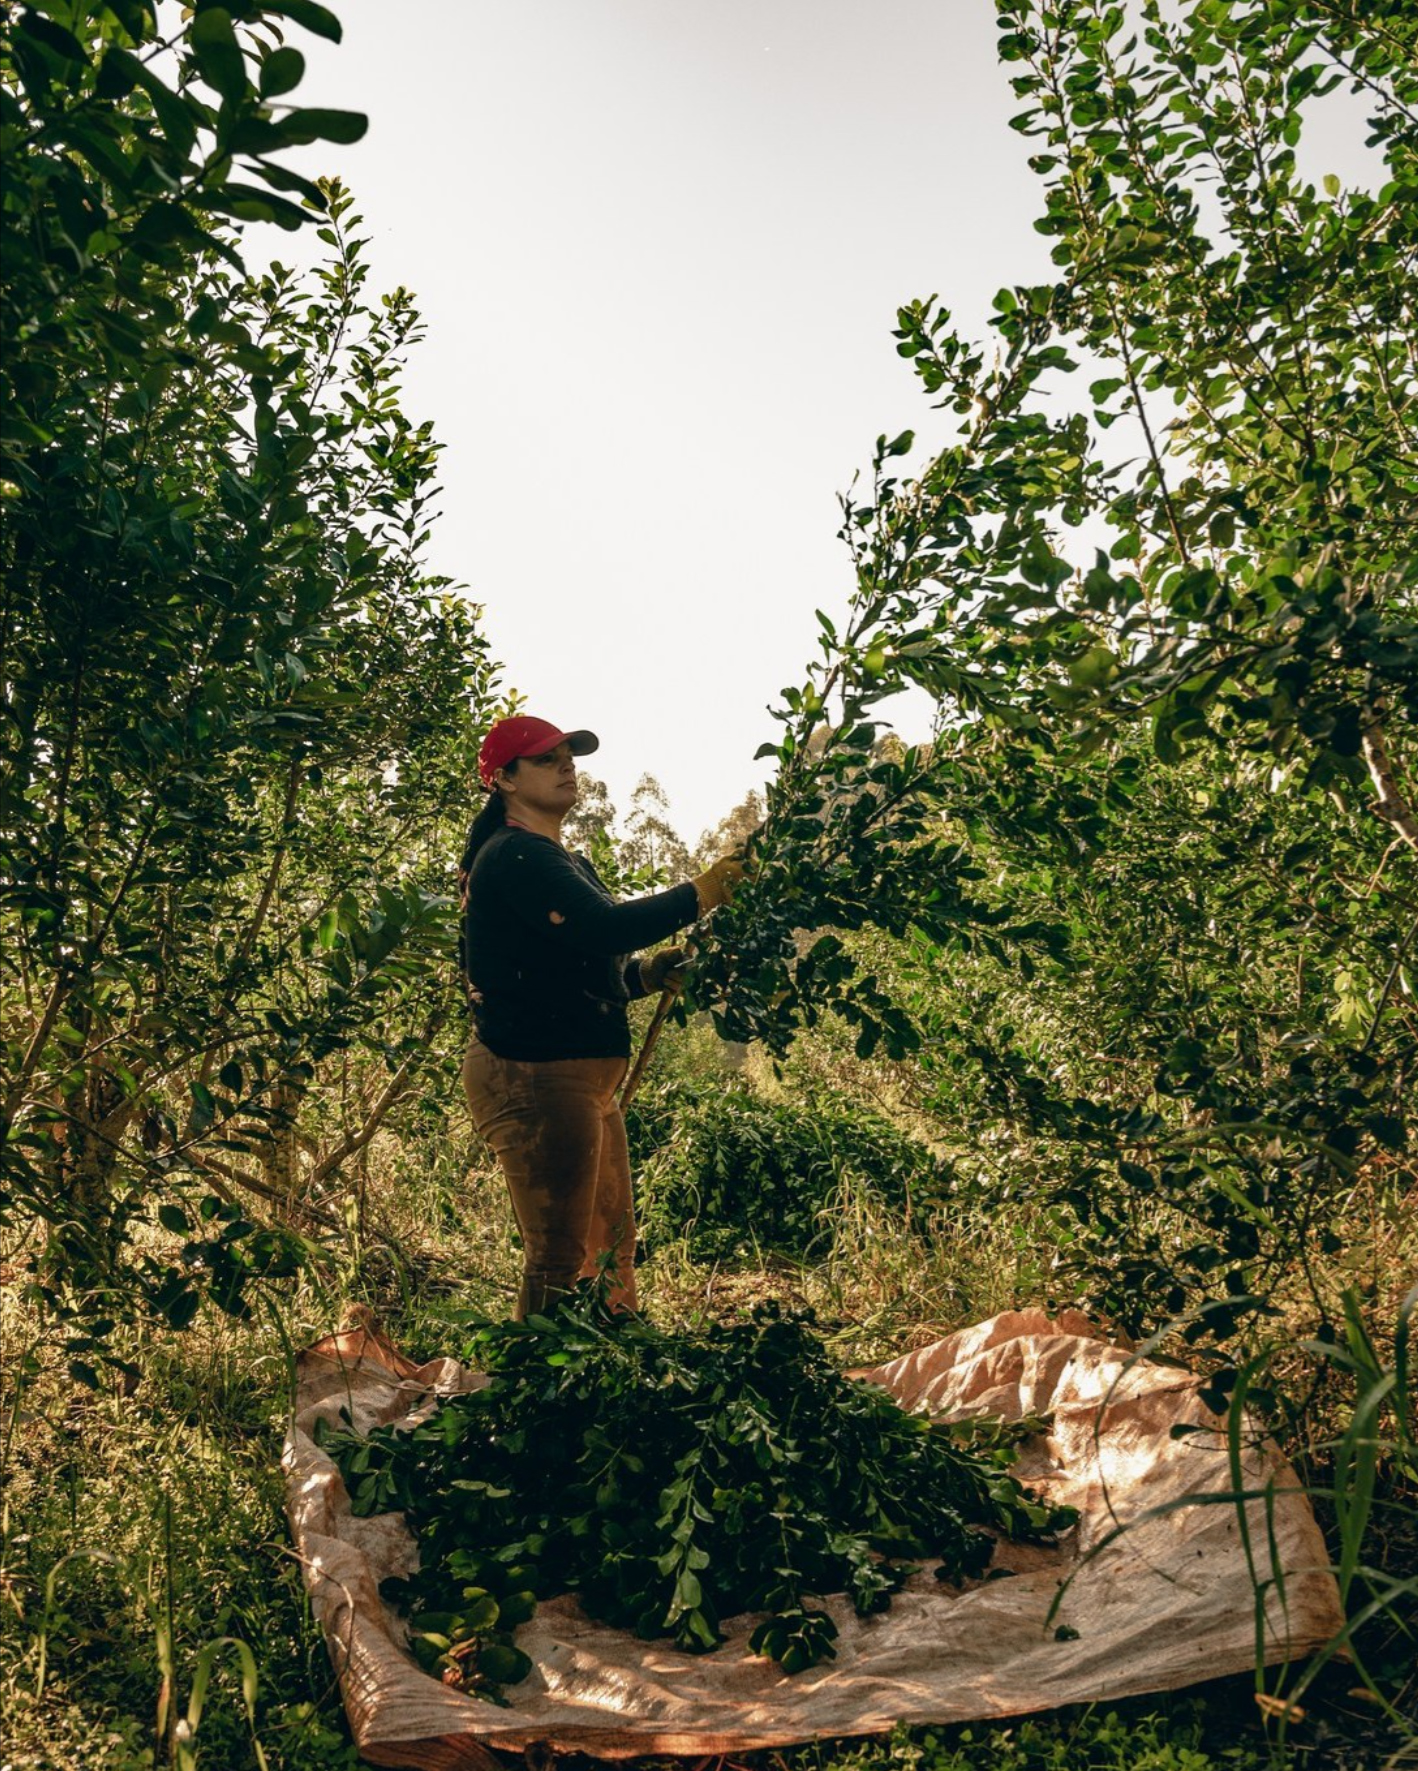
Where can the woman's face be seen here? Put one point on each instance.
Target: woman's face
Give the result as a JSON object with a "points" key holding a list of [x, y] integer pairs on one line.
{"points": [[545, 783]]}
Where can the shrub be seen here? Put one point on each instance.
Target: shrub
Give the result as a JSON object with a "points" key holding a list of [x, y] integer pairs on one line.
{"points": [[745, 1173]]}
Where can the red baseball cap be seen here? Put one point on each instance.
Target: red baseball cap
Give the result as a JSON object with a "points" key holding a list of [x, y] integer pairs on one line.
{"points": [[510, 738]]}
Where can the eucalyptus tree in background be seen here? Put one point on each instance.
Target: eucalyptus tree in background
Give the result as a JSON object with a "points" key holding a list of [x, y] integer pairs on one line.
{"points": [[1247, 454], [591, 819], [651, 846], [239, 714], [731, 832]]}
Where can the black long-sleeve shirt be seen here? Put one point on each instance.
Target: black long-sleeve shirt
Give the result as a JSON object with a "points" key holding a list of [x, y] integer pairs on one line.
{"points": [[545, 947]]}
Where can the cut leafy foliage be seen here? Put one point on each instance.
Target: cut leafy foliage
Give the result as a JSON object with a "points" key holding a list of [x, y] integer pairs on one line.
{"points": [[671, 1481]]}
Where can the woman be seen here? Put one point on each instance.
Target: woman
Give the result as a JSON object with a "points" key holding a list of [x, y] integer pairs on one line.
{"points": [[544, 947]]}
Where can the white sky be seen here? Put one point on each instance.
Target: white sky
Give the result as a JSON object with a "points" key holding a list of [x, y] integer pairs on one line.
{"points": [[659, 246]]}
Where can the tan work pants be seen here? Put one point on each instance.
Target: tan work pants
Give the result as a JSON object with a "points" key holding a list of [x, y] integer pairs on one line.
{"points": [[559, 1137]]}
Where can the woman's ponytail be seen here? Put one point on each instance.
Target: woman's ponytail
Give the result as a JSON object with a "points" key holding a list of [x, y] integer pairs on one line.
{"points": [[489, 820], [492, 817]]}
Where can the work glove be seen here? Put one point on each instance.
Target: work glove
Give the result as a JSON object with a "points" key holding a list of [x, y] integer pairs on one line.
{"points": [[659, 970], [716, 887]]}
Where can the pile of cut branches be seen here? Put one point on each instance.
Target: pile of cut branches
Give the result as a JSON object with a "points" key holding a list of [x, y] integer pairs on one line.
{"points": [[671, 1480]]}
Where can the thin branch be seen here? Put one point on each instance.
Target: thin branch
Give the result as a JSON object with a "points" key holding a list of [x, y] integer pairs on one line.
{"points": [[1391, 805], [1389, 981], [212, 1165], [35, 1050], [258, 915], [1125, 354], [353, 1142]]}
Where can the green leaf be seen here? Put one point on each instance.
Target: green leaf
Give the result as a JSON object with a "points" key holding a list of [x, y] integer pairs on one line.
{"points": [[302, 126], [281, 71], [1386, 1129], [53, 36], [246, 202], [218, 54], [182, 1308], [1093, 668], [318, 20], [480, 1613], [517, 1609], [204, 1109], [503, 1664]]}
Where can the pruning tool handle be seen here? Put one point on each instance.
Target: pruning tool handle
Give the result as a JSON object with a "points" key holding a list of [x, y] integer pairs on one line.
{"points": [[647, 1045]]}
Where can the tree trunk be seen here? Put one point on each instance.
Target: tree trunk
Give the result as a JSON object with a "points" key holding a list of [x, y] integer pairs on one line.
{"points": [[280, 1155], [85, 1250]]}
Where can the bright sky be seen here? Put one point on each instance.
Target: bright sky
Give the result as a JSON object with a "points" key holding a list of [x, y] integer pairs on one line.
{"points": [[659, 246]]}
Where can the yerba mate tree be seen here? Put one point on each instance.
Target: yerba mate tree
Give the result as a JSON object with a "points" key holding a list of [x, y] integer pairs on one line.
{"points": [[1202, 569], [239, 712]]}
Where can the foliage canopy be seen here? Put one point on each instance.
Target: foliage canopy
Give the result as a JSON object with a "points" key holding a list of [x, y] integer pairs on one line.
{"points": [[1199, 643], [238, 709]]}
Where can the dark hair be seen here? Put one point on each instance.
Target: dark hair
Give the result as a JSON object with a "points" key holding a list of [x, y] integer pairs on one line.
{"points": [[492, 816]]}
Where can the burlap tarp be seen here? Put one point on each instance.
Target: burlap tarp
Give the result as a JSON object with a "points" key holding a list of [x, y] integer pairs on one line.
{"points": [[1169, 1602]]}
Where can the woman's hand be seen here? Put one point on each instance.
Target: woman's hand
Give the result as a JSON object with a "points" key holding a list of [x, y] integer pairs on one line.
{"points": [[716, 887], [659, 970]]}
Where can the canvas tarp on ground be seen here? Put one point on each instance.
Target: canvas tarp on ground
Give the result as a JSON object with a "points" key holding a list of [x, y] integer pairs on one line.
{"points": [[1166, 1604]]}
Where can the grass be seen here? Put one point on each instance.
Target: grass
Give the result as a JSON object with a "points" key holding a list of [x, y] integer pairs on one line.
{"points": [[137, 1531], [143, 1536]]}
